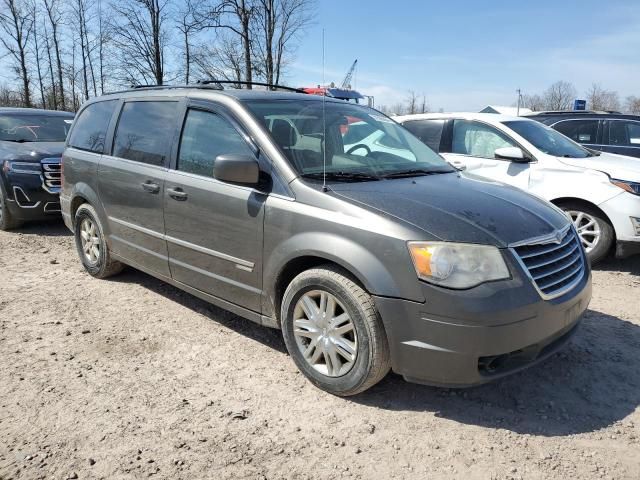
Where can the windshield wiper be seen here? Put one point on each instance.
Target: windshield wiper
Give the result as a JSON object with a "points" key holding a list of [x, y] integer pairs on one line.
{"points": [[414, 172], [344, 176]]}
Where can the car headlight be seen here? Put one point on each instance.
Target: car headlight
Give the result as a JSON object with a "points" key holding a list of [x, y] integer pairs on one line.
{"points": [[21, 167], [457, 265], [631, 187]]}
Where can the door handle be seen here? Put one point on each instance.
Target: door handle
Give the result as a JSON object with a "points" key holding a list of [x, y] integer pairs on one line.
{"points": [[151, 187], [177, 194]]}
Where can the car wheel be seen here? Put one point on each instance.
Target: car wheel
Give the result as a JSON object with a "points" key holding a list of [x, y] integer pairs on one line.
{"points": [[333, 332], [595, 231], [7, 221], [91, 245]]}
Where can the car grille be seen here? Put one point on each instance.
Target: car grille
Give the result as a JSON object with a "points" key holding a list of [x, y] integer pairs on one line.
{"points": [[554, 267], [51, 174]]}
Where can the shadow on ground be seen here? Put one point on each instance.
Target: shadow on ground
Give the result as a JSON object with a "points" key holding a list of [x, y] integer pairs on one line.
{"points": [[593, 383], [629, 265], [46, 228]]}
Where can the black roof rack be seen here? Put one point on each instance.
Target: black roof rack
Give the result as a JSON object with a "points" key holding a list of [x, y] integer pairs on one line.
{"points": [[575, 112], [272, 86]]}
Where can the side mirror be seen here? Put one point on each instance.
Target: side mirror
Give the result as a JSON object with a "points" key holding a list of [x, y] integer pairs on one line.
{"points": [[514, 154], [239, 169]]}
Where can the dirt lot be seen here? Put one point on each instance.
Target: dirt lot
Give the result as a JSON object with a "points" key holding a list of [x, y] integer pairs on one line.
{"points": [[131, 378]]}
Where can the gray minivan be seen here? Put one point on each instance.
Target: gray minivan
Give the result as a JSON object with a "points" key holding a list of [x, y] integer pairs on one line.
{"points": [[370, 254]]}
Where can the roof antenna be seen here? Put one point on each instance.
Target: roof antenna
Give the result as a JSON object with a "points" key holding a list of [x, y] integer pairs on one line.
{"points": [[324, 126]]}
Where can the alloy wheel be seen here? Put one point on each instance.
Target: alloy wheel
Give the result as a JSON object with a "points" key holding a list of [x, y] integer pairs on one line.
{"points": [[587, 227], [90, 241], [325, 333]]}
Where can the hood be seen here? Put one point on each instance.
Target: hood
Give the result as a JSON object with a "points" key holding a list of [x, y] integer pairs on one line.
{"points": [[458, 208], [30, 151], [616, 166]]}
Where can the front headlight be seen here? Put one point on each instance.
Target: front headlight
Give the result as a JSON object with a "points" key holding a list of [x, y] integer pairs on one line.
{"points": [[457, 265], [631, 187]]}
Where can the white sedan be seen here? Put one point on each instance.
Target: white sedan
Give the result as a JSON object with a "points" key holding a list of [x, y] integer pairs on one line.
{"points": [[600, 191]]}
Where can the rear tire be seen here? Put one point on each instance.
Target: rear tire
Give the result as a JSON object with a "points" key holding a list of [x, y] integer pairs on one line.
{"points": [[7, 220], [91, 244], [595, 231], [354, 352]]}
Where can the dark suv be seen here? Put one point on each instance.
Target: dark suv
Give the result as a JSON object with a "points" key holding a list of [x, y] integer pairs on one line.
{"points": [[606, 131], [368, 256], [31, 144]]}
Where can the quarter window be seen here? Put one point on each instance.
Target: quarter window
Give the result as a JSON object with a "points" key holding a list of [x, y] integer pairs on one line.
{"points": [[205, 136], [581, 131], [90, 129], [477, 139], [429, 131], [623, 133], [145, 131]]}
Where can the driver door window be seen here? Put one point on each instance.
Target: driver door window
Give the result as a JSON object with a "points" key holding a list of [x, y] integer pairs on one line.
{"points": [[205, 136], [478, 139]]}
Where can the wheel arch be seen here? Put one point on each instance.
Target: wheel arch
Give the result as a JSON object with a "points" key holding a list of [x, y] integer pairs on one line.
{"points": [[83, 193], [558, 202]]}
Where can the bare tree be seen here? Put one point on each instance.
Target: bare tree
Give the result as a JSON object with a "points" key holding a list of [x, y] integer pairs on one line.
{"points": [[277, 24], [600, 99], [54, 96], [632, 104], [190, 22], [37, 51], [237, 16], [411, 103], [224, 61], [140, 35], [423, 106], [16, 26], [54, 15], [559, 96], [533, 102]]}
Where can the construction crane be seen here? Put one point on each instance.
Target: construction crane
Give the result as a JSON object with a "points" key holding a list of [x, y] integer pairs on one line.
{"points": [[346, 83]]}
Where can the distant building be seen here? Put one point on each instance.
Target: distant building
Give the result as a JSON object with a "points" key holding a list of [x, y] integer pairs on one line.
{"points": [[513, 111]]}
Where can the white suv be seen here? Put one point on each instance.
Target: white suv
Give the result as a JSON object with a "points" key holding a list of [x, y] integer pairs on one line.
{"points": [[600, 191]]}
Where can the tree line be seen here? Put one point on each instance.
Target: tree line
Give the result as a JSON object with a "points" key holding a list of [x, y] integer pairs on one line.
{"points": [[561, 95], [62, 52]]}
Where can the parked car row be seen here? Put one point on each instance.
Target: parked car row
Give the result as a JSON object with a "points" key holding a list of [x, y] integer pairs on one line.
{"points": [[337, 225], [600, 191]]}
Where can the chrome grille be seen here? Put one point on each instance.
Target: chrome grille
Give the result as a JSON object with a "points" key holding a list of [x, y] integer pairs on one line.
{"points": [[51, 174], [554, 267]]}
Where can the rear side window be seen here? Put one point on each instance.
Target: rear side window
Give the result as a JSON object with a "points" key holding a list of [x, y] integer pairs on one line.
{"points": [[624, 133], [205, 136], [581, 131], [145, 131], [90, 129], [429, 131]]}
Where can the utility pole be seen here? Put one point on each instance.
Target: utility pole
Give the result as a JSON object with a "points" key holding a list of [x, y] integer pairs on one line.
{"points": [[519, 92]]}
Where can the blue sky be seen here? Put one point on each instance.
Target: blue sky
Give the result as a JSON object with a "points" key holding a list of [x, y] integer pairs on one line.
{"points": [[465, 54]]}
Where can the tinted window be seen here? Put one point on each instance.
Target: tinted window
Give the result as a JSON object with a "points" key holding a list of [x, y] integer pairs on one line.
{"points": [[547, 140], [477, 139], [624, 133], [429, 131], [581, 131], [90, 128], [34, 128], [144, 132], [205, 136]]}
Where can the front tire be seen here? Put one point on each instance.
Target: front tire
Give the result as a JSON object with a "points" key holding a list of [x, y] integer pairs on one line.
{"points": [[7, 220], [333, 332], [91, 244], [594, 230]]}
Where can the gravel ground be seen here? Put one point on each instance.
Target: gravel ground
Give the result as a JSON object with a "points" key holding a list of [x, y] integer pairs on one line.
{"points": [[132, 378]]}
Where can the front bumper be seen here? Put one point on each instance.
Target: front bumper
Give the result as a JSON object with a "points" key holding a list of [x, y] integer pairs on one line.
{"points": [[620, 210], [27, 199], [464, 338]]}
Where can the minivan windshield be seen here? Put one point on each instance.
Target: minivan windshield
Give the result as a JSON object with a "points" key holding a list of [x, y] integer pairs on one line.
{"points": [[34, 128], [356, 142], [547, 140]]}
